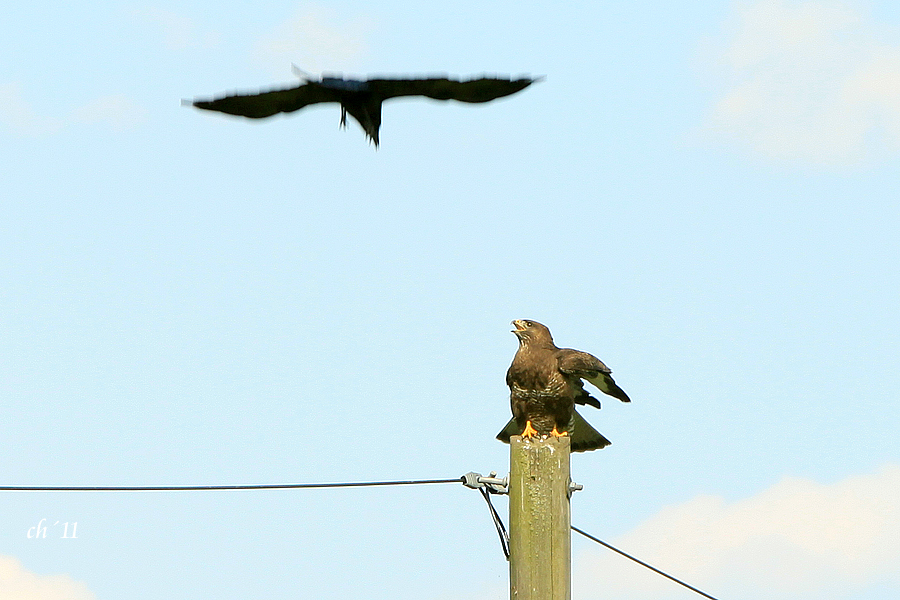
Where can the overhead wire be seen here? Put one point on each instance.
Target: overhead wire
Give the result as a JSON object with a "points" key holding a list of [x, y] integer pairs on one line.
{"points": [[642, 563], [501, 529], [186, 488], [498, 522]]}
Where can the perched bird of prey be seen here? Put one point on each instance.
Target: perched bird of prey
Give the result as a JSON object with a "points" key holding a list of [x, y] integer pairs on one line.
{"points": [[362, 98], [545, 384]]}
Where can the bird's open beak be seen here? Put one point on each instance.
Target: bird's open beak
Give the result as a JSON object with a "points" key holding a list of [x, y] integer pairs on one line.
{"points": [[519, 325]]}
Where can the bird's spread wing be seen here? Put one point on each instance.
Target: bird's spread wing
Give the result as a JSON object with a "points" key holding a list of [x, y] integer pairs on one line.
{"points": [[575, 362], [266, 104], [591, 369], [582, 396], [605, 383], [484, 89]]}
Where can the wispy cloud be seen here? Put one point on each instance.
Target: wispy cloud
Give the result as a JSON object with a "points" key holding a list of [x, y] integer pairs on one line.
{"points": [[18, 584], [317, 38], [19, 115], [807, 81], [797, 540]]}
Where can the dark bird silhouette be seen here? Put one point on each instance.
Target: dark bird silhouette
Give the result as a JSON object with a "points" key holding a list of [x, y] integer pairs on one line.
{"points": [[362, 98], [545, 384]]}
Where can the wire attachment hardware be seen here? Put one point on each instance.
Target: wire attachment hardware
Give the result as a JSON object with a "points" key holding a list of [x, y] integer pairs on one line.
{"points": [[487, 486], [494, 486], [574, 487]]}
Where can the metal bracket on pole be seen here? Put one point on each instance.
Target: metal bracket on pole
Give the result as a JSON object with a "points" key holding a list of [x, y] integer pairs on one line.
{"points": [[487, 486], [574, 487], [491, 483], [494, 485]]}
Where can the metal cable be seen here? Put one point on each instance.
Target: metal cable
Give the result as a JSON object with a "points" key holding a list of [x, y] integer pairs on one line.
{"points": [[501, 529], [642, 563], [498, 523], [187, 488]]}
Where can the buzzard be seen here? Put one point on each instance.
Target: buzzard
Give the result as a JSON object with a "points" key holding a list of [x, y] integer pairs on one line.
{"points": [[361, 98], [545, 384]]}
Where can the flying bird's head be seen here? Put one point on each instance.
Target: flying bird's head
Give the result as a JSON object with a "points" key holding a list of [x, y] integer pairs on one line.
{"points": [[531, 331]]}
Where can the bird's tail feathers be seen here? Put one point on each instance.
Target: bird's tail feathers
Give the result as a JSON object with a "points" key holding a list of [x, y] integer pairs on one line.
{"points": [[583, 436], [300, 73], [508, 431]]}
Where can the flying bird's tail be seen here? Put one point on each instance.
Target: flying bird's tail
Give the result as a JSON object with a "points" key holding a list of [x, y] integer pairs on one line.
{"points": [[583, 436], [300, 73]]}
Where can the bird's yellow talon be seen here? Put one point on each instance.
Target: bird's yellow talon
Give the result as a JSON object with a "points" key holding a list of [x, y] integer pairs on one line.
{"points": [[530, 431], [556, 433]]}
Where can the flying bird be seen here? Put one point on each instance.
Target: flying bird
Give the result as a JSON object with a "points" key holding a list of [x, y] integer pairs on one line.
{"points": [[361, 98], [545, 384]]}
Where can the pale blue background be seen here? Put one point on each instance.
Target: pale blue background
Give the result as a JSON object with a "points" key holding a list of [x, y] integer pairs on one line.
{"points": [[187, 298]]}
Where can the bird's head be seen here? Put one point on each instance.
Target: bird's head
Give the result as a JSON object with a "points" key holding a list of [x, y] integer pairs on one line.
{"points": [[531, 331]]}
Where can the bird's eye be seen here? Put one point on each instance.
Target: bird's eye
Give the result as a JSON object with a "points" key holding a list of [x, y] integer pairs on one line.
{"points": [[528, 323]]}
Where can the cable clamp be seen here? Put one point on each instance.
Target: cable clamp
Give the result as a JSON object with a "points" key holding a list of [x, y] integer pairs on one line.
{"points": [[491, 483]]}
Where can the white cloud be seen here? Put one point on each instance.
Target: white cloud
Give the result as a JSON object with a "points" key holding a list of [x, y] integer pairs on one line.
{"points": [[17, 114], [316, 38], [797, 540], [18, 584], [809, 81], [20, 116]]}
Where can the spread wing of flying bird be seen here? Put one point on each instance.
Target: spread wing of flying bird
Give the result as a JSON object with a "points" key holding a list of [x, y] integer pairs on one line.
{"points": [[546, 382], [361, 98]]}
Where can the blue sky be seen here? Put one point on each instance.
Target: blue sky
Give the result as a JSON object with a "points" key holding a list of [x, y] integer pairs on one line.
{"points": [[702, 195]]}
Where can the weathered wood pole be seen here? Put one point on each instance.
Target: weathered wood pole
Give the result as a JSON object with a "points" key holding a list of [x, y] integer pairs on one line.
{"points": [[540, 538]]}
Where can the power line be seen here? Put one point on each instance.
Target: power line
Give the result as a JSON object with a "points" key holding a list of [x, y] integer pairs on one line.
{"points": [[193, 488], [642, 563], [473, 480]]}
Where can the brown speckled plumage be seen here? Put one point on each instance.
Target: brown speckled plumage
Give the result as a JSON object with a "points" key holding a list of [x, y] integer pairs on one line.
{"points": [[545, 383]]}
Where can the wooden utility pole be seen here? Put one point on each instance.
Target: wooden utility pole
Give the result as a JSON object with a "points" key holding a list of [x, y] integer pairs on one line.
{"points": [[540, 538]]}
